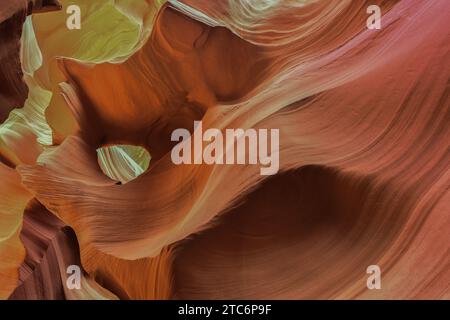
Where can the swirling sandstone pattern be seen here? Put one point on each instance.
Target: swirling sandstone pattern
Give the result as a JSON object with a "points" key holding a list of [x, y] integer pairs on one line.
{"points": [[364, 150]]}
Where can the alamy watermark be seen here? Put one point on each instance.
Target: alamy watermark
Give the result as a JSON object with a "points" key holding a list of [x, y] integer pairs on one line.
{"points": [[74, 277], [374, 20], [374, 280], [74, 19], [236, 146]]}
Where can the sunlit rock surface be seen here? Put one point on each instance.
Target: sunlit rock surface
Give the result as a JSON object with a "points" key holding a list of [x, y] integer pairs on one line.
{"points": [[85, 150]]}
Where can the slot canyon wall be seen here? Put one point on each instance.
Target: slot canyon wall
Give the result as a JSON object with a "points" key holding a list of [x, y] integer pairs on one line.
{"points": [[87, 178]]}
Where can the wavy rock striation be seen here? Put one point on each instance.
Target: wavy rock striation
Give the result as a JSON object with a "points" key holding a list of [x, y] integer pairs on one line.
{"points": [[364, 153]]}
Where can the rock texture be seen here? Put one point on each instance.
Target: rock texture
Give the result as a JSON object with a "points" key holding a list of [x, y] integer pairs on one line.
{"points": [[364, 152]]}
